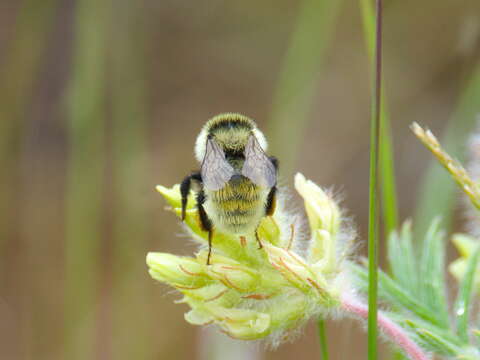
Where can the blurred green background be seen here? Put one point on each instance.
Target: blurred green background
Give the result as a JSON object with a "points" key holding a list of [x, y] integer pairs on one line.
{"points": [[102, 100]]}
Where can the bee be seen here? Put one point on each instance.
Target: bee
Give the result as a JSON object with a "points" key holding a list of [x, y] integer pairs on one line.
{"points": [[237, 180]]}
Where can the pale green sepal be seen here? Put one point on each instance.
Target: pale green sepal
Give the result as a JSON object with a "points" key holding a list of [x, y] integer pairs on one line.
{"points": [[176, 270], [198, 317]]}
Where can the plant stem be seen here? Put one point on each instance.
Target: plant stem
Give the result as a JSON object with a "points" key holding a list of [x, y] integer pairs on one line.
{"points": [[396, 334], [322, 336], [373, 219]]}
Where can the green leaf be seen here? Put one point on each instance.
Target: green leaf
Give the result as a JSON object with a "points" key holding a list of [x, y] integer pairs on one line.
{"points": [[464, 297], [439, 340], [395, 295], [438, 343], [401, 258], [432, 281]]}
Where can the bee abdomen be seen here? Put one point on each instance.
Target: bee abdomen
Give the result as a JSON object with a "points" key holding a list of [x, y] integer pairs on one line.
{"points": [[238, 207]]}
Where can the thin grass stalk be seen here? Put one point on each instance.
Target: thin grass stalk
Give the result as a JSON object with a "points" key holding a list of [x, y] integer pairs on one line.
{"points": [[386, 159], [130, 182], [322, 337], [437, 191], [86, 132], [299, 76], [373, 220]]}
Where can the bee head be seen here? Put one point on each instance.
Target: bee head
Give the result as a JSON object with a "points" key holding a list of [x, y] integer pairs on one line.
{"points": [[231, 132]]}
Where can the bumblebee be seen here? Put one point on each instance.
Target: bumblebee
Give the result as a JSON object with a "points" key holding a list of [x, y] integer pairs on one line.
{"points": [[237, 180]]}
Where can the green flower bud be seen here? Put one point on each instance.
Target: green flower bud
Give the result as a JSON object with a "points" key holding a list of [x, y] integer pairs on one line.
{"points": [[322, 252], [172, 195], [466, 246], [269, 230], [242, 323], [235, 276], [322, 211], [181, 272], [296, 271]]}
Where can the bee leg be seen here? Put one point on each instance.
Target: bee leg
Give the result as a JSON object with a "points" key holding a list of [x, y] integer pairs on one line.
{"points": [[205, 222], [185, 189], [271, 201], [209, 246], [260, 246]]}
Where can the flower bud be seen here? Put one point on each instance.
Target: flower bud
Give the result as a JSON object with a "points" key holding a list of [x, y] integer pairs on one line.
{"points": [[241, 323], [269, 230], [198, 317], [231, 273], [295, 270], [322, 252], [466, 246], [172, 195], [322, 211], [180, 272], [215, 293]]}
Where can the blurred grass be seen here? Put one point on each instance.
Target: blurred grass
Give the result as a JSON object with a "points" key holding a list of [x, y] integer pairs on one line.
{"points": [[438, 191], [85, 178], [297, 84], [18, 73], [132, 331]]}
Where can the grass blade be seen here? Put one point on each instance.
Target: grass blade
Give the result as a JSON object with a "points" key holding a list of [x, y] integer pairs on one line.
{"points": [[301, 69], [386, 158], [373, 218], [464, 297]]}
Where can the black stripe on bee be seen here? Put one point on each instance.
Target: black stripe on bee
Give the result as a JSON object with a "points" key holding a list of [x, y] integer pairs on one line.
{"points": [[228, 124]]}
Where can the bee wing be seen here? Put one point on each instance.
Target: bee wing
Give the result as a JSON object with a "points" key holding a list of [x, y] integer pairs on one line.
{"points": [[257, 166], [216, 171]]}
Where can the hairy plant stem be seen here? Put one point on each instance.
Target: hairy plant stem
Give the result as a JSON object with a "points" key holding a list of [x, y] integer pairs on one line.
{"points": [[394, 332]]}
